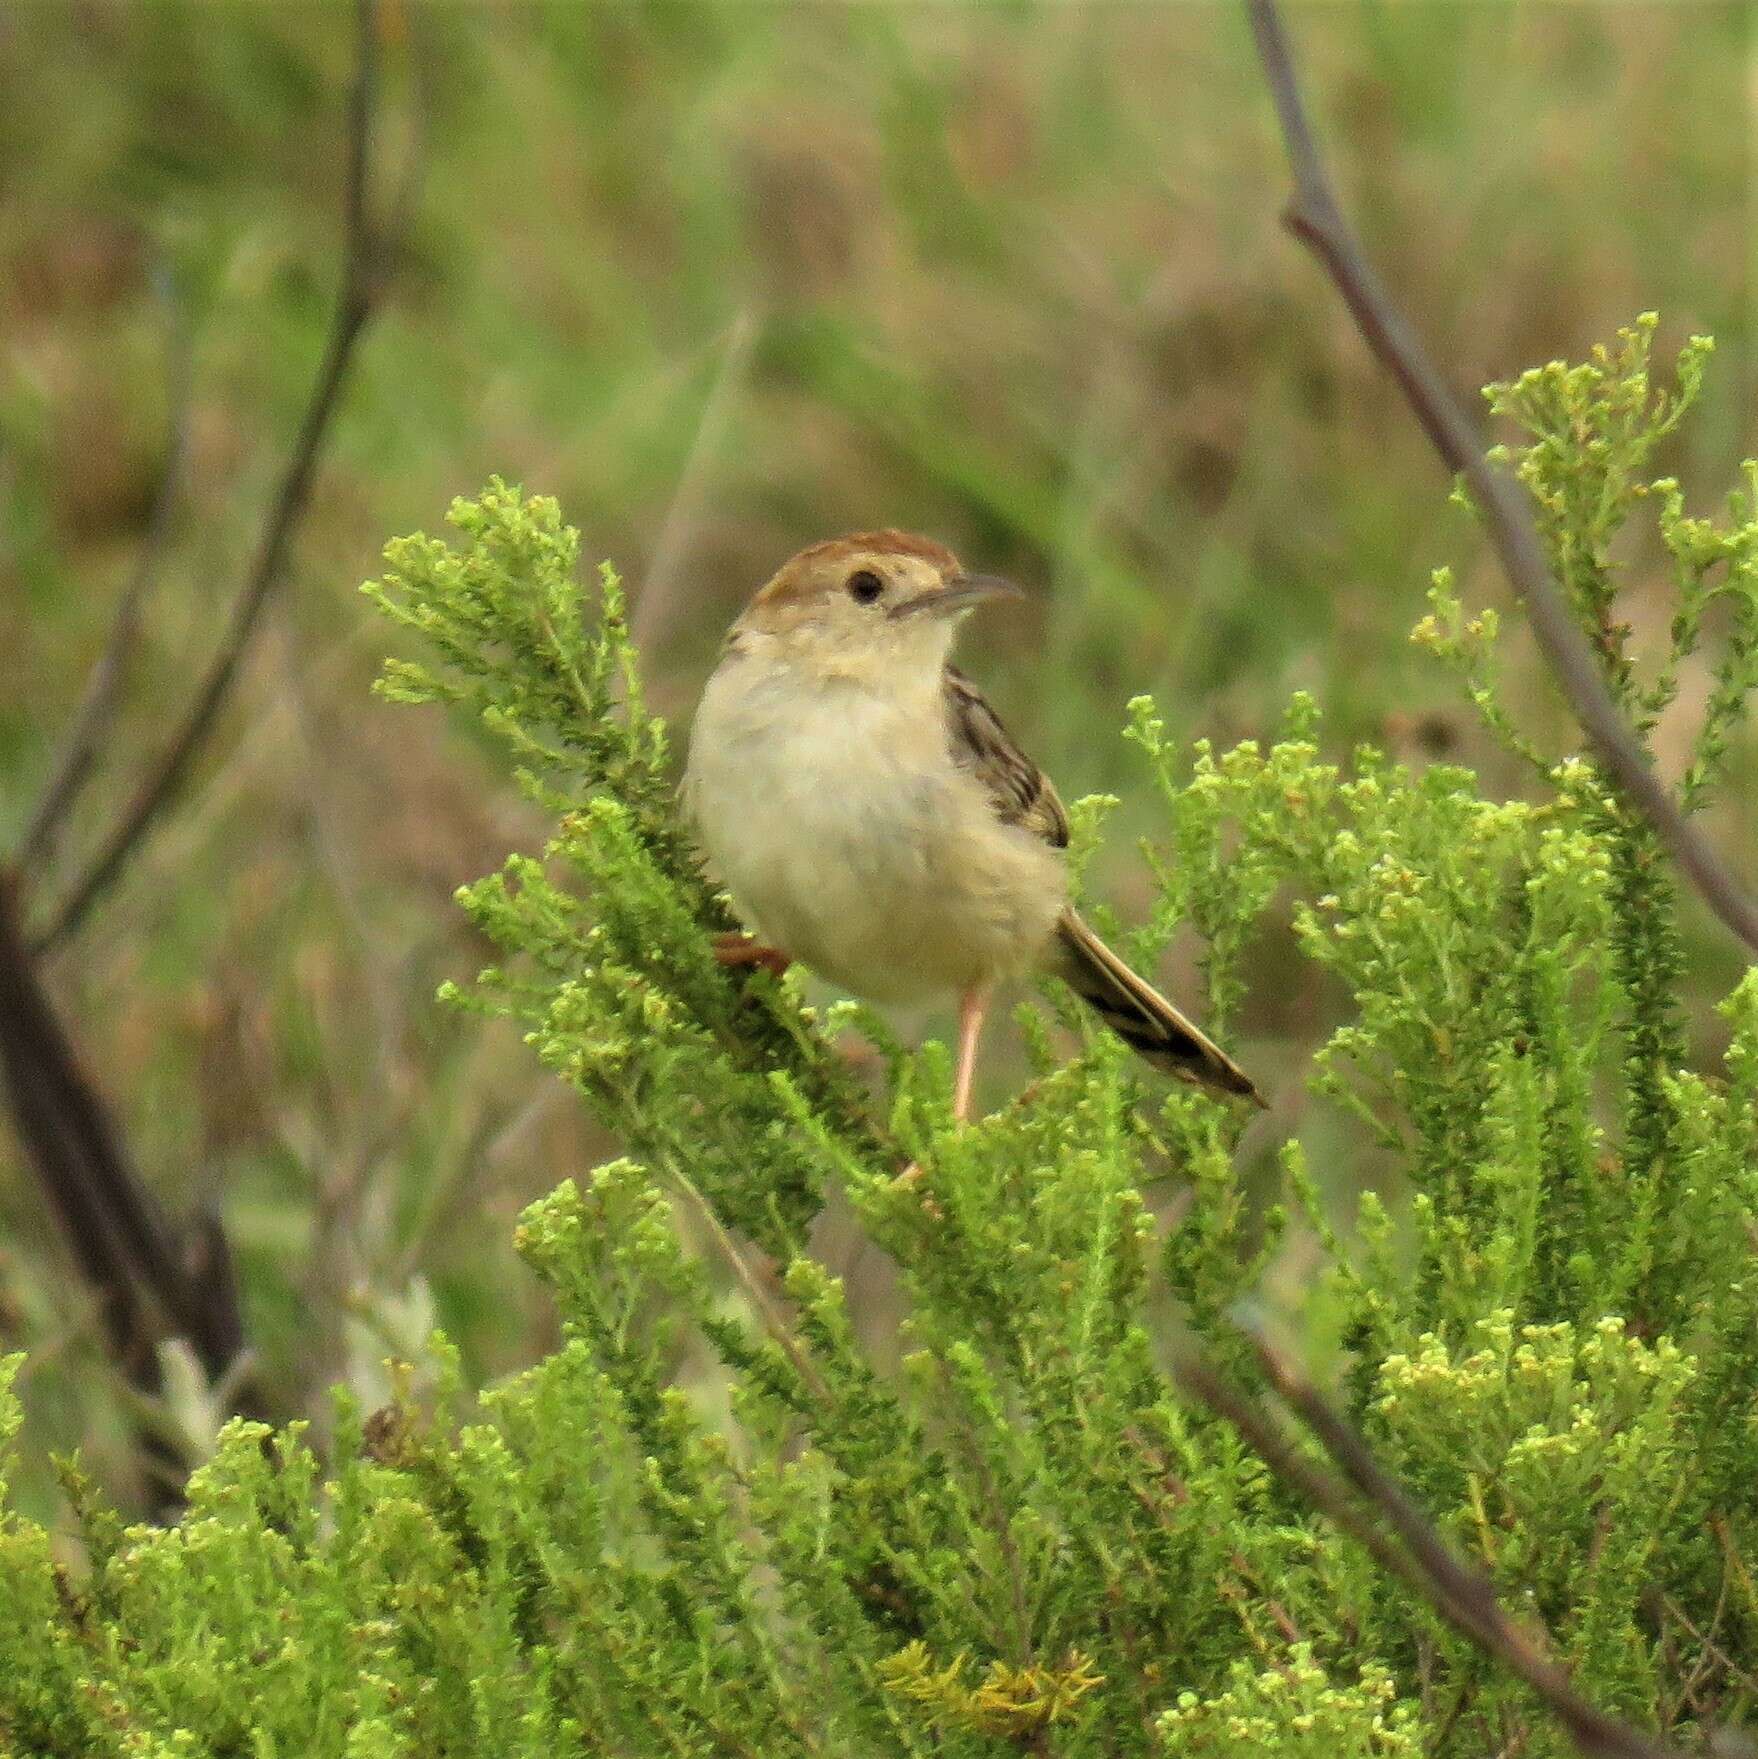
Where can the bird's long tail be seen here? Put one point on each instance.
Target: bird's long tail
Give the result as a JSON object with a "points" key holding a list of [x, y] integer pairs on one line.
{"points": [[1140, 1015]]}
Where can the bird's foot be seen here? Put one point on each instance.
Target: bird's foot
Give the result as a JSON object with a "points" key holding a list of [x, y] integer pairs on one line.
{"points": [[743, 952]]}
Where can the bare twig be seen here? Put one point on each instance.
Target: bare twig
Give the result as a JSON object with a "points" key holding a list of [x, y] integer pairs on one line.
{"points": [[362, 277], [91, 722], [238, 769], [764, 1302], [1405, 1543], [1711, 1653], [1315, 218]]}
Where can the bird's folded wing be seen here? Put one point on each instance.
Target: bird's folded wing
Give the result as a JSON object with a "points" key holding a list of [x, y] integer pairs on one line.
{"points": [[1020, 792]]}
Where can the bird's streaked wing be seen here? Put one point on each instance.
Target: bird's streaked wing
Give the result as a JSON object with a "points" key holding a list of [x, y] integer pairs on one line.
{"points": [[1020, 792]]}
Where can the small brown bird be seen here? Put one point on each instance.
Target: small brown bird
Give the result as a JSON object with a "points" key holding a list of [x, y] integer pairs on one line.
{"points": [[872, 818]]}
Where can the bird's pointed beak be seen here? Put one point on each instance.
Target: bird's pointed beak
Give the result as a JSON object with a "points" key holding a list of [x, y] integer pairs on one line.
{"points": [[960, 593]]}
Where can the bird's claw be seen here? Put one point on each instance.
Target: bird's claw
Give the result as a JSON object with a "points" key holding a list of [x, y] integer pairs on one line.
{"points": [[742, 952]]}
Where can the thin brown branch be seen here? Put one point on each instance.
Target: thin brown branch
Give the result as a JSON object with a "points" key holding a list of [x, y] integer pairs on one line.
{"points": [[1381, 1517], [765, 1304], [1315, 218], [1710, 1652], [362, 280], [103, 691]]}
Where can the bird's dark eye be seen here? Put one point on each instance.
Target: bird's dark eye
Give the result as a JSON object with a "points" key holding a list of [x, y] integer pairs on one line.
{"points": [[864, 586]]}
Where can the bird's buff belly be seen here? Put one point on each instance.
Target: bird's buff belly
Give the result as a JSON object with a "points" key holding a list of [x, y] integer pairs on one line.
{"points": [[893, 887]]}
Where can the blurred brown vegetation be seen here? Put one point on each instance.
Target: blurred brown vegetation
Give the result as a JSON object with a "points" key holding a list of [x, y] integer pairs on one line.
{"points": [[725, 278]]}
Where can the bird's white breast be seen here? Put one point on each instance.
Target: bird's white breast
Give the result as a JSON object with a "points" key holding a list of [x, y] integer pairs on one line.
{"points": [[832, 811]]}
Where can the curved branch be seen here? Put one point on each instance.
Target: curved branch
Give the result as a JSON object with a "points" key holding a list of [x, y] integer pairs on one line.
{"points": [[103, 691], [115, 1228], [355, 304], [1314, 217], [1382, 1518]]}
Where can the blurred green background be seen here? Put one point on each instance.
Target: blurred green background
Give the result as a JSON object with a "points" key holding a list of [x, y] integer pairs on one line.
{"points": [[726, 278]]}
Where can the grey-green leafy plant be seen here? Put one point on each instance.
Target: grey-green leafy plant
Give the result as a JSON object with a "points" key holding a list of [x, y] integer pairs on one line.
{"points": [[718, 1521]]}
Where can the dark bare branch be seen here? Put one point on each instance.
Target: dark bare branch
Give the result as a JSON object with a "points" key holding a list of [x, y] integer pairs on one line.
{"points": [[1405, 1543], [362, 277], [116, 1232], [1315, 218], [103, 691]]}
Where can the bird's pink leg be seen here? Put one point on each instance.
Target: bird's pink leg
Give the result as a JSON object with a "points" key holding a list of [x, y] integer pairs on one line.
{"points": [[972, 1006], [740, 949]]}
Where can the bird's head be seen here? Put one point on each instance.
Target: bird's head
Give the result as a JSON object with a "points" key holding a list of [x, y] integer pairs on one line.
{"points": [[869, 602]]}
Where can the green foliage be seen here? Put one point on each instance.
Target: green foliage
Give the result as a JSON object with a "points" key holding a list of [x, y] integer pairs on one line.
{"points": [[1294, 1709], [1015, 1701], [668, 262], [722, 1518]]}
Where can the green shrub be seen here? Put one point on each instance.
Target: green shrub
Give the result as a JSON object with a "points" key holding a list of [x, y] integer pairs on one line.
{"points": [[715, 1522]]}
